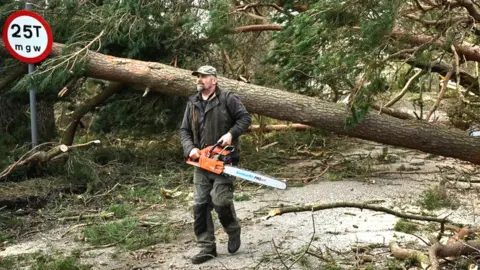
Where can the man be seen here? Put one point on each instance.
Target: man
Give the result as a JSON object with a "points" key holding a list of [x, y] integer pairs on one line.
{"points": [[212, 116]]}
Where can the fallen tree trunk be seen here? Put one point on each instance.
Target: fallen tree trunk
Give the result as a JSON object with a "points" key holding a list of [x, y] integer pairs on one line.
{"points": [[284, 105]]}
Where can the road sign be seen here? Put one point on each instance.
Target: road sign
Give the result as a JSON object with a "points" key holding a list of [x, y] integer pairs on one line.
{"points": [[27, 36]]}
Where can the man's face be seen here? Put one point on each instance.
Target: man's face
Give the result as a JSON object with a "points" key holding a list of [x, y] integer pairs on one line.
{"points": [[206, 82]]}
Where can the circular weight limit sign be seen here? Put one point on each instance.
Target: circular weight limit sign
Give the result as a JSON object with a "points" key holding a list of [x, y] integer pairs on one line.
{"points": [[27, 36]]}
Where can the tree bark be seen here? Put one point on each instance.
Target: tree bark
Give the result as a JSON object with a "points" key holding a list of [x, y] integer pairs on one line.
{"points": [[46, 120], [394, 113], [287, 106], [467, 51], [267, 128]]}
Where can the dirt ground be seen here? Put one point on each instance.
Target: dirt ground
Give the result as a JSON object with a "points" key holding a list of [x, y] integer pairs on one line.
{"points": [[277, 242]]}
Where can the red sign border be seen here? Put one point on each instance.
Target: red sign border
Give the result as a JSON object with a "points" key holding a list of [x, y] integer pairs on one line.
{"points": [[44, 23]]}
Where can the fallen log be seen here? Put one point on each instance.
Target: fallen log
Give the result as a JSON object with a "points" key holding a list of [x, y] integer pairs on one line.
{"points": [[283, 105]]}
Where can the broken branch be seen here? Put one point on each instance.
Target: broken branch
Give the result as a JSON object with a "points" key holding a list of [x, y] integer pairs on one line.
{"points": [[404, 90], [440, 95], [317, 207]]}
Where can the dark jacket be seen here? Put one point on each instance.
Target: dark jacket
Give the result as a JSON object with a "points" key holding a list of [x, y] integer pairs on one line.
{"points": [[217, 121]]}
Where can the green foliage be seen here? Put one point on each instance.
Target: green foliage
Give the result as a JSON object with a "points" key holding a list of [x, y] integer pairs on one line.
{"points": [[393, 264], [437, 197], [7, 263], [120, 210], [46, 262], [220, 22], [332, 266], [152, 31], [320, 46], [131, 114], [81, 169], [385, 157], [350, 169], [41, 261], [241, 197], [363, 99], [287, 143], [329, 48], [128, 233], [405, 226], [370, 266]]}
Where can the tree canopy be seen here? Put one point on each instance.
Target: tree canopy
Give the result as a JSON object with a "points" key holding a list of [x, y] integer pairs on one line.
{"points": [[356, 51]]}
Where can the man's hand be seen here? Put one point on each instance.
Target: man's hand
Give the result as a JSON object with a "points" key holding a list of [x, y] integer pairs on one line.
{"points": [[194, 154], [226, 139]]}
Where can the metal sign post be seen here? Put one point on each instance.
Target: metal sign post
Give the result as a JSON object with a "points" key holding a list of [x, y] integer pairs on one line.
{"points": [[28, 38], [33, 99]]}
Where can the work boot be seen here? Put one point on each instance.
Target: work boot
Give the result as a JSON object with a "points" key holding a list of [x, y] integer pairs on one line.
{"points": [[234, 242], [204, 255]]}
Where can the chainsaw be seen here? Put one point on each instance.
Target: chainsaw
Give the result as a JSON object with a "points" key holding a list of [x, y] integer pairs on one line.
{"points": [[216, 159]]}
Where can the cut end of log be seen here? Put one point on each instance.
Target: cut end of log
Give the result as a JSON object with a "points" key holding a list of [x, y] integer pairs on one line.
{"points": [[147, 90], [274, 212], [96, 141], [63, 148]]}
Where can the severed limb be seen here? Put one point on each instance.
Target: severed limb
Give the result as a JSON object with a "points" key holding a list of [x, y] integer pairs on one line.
{"points": [[403, 254], [32, 157]]}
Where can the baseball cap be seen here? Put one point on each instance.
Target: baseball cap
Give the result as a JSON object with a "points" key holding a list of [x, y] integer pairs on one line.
{"points": [[205, 70]]}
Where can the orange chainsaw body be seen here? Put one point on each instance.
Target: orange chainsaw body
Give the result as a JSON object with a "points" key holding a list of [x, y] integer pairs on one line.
{"points": [[210, 159]]}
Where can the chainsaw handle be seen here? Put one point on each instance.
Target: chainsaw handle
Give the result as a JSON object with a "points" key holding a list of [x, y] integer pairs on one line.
{"points": [[213, 147]]}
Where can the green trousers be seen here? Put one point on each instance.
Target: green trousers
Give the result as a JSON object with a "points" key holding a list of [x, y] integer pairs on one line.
{"points": [[213, 191]]}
